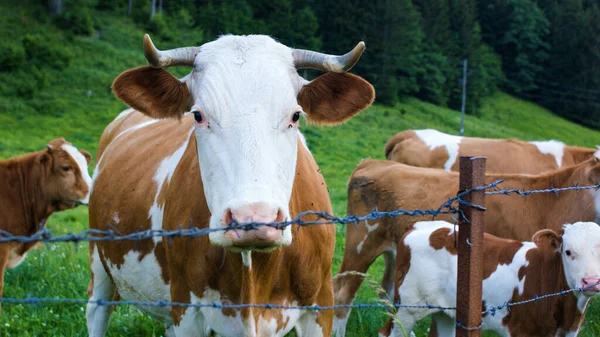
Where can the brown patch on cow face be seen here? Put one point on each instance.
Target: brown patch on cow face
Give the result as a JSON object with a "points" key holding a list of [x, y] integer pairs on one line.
{"points": [[63, 181], [154, 92], [334, 98], [442, 238]]}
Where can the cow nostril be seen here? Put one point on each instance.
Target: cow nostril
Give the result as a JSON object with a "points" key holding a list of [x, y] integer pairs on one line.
{"points": [[584, 282], [228, 217]]}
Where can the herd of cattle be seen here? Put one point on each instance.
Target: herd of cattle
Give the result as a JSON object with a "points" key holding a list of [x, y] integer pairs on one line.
{"points": [[222, 145]]}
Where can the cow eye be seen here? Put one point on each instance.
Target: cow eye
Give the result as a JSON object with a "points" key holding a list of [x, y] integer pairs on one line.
{"points": [[296, 116], [568, 252], [198, 116], [67, 168]]}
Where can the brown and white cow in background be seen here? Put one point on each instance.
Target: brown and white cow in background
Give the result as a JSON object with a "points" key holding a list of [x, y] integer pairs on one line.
{"points": [[387, 186], [35, 185], [237, 155], [426, 272], [435, 149]]}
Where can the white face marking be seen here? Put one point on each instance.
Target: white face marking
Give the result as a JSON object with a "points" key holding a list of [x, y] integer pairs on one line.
{"points": [[582, 241], [142, 281], [82, 164], [164, 172], [433, 138], [303, 140], [552, 147], [246, 88]]}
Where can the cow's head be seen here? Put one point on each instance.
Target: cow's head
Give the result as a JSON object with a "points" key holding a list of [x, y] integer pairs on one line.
{"points": [[65, 178], [579, 246], [247, 98]]}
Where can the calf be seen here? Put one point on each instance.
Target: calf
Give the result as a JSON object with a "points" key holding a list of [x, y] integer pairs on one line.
{"points": [[435, 149], [34, 186], [387, 186], [513, 271]]}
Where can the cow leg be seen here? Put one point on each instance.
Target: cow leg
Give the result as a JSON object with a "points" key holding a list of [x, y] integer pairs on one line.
{"points": [[346, 283], [387, 282], [104, 289], [404, 322], [444, 325], [308, 325], [189, 322], [4, 252], [169, 330]]}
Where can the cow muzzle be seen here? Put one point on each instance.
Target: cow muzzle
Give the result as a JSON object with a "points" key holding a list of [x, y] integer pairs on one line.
{"points": [[590, 285], [256, 233]]}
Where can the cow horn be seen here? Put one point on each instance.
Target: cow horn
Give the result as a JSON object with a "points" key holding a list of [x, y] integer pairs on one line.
{"points": [[173, 57], [325, 62]]}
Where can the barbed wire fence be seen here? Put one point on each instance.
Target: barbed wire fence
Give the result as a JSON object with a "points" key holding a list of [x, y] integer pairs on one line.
{"points": [[466, 208]]}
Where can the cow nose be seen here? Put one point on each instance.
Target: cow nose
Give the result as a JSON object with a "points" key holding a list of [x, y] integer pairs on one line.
{"points": [[590, 284], [259, 237]]}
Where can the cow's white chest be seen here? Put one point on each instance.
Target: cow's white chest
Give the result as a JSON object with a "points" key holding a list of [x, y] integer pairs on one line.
{"points": [[207, 319], [142, 281]]}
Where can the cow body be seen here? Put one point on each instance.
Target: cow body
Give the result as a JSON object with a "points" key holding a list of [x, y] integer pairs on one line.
{"points": [[34, 186], [231, 152], [435, 149], [388, 186], [426, 272], [208, 273]]}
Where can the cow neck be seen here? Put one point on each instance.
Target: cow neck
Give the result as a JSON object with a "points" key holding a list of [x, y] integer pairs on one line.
{"points": [[258, 280], [564, 308], [569, 314], [26, 178]]}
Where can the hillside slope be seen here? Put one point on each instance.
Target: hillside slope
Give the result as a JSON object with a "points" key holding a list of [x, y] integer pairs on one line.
{"points": [[76, 103]]}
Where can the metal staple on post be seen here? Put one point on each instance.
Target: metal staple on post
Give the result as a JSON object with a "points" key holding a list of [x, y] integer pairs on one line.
{"points": [[470, 248]]}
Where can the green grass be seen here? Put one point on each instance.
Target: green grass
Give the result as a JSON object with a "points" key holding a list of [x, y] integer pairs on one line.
{"points": [[77, 104]]}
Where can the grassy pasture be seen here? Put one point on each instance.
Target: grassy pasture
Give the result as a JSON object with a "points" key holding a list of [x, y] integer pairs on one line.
{"points": [[77, 104]]}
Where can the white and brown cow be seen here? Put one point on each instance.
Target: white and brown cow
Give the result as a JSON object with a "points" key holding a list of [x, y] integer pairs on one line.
{"points": [[237, 155], [32, 187], [435, 149], [426, 273], [387, 186]]}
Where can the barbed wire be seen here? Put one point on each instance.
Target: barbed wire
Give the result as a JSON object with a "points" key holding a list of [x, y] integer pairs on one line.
{"points": [[554, 190], [447, 207], [323, 218], [215, 305]]}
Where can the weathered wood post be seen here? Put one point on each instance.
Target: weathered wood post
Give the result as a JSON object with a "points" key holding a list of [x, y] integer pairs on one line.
{"points": [[470, 249]]}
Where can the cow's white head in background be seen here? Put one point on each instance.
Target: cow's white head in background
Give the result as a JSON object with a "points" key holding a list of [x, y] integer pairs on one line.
{"points": [[579, 246], [247, 98]]}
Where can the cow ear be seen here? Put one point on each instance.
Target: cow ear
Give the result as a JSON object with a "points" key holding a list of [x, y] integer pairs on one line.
{"points": [[154, 92], [546, 237], [87, 155], [333, 98]]}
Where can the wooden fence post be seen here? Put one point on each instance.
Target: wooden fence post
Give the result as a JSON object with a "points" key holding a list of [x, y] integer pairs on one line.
{"points": [[470, 249]]}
